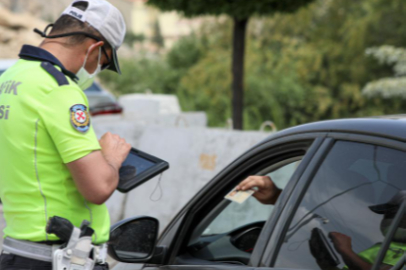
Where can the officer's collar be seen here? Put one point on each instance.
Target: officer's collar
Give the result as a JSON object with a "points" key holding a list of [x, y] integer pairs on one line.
{"points": [[32, 53]]}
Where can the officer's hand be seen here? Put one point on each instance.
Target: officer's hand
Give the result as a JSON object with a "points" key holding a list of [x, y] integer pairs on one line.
{"points": [[114, 149], [267, 192], [341, 242]]}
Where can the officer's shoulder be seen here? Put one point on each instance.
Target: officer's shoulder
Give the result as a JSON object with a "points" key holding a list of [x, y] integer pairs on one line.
{"points": [[55, 73]]}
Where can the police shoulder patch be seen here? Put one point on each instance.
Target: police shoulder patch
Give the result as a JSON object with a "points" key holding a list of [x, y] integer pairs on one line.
{"points": [[79, 117]]}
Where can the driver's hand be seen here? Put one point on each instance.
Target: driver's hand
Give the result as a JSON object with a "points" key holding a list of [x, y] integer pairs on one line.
{"points": [[267, 192], [341, 242]]}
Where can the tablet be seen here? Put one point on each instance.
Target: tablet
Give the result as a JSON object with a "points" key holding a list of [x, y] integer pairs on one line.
{"points": [[321, 248], [138, 168]]}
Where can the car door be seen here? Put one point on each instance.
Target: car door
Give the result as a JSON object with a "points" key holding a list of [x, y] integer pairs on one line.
{"points": [[338, 207], [214, 233]]}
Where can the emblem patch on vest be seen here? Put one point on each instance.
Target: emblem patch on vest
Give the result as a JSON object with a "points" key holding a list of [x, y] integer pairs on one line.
{"points": [[79, 118]]}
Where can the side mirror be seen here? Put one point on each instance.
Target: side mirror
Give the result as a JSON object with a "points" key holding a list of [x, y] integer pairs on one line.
{"points": [[133, 240]]}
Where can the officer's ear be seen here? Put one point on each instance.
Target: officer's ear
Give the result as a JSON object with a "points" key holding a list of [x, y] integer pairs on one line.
{"points": [[94, 49]]}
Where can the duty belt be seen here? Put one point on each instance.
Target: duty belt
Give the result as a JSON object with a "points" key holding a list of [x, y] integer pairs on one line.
{"points": [[43, 252], [28, 249]]}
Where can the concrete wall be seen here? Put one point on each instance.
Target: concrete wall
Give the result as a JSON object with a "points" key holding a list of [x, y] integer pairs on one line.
{"points": [[156, 125], [150, 104]]}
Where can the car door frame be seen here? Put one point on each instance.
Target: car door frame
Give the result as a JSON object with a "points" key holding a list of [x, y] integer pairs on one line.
{"points": [[181, 226], [275, 241]]}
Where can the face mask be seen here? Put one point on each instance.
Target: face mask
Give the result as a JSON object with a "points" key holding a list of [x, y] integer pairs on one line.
{"points": [[86, 79]]}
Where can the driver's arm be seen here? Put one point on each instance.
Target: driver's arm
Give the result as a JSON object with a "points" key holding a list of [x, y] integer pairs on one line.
{"points": [[267, 192]]}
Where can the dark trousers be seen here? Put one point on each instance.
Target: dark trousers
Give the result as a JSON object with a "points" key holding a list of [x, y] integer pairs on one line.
{"points": [[14, 262]]}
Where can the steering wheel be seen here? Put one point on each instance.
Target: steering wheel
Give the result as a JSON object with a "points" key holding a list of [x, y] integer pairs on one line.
{"points": [[235, 246]]}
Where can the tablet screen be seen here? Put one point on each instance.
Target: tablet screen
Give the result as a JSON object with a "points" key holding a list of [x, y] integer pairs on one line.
{"points": [[138, 168], [129, 170]]}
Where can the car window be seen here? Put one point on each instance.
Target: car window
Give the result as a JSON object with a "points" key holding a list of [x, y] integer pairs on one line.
{"points": [[347, 209], [228, 221], [236, 215]]}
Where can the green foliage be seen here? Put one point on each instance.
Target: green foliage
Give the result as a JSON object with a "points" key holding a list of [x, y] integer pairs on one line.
{"points": [[239, 9], [331, 38], [130, 38], [157, 38], [391, 56], [155, 74], [300, 67], [141, 75], [185, 53], [310, 65], [206, 87], [388, 87]]}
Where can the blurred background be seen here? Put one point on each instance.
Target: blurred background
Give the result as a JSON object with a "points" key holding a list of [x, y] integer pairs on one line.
{"points": [[202, 83], [327, 59]]}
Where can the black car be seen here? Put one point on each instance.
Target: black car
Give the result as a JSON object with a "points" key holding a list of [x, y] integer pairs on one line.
{"points": [[339, 176]]}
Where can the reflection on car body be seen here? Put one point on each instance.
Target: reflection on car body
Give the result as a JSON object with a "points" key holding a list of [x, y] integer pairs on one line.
{"points": [[331, 174]]}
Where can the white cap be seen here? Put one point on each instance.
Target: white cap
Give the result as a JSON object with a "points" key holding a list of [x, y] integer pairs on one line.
{"points": [[106, 19]]}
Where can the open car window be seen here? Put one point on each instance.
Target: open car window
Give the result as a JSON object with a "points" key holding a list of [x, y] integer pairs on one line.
{"points": [[236, 215], [230, 230]]}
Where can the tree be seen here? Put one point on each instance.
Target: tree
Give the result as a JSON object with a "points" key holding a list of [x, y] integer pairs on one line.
{"points": [[240, 11], [393, 87], [130, 38], [157, 37], [300, 67]]}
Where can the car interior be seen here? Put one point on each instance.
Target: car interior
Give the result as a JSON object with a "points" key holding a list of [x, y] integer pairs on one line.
{"points": [[229, 232]]}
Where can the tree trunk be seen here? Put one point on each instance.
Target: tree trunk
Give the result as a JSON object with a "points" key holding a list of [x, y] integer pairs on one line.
{"points": [[237, 67]]}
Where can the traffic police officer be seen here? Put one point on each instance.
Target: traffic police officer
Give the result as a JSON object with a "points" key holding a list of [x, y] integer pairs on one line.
{"points": [[51, 161]]}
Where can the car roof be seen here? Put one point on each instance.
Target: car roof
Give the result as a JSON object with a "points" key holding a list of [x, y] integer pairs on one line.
{"points": [[390, 126]]}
